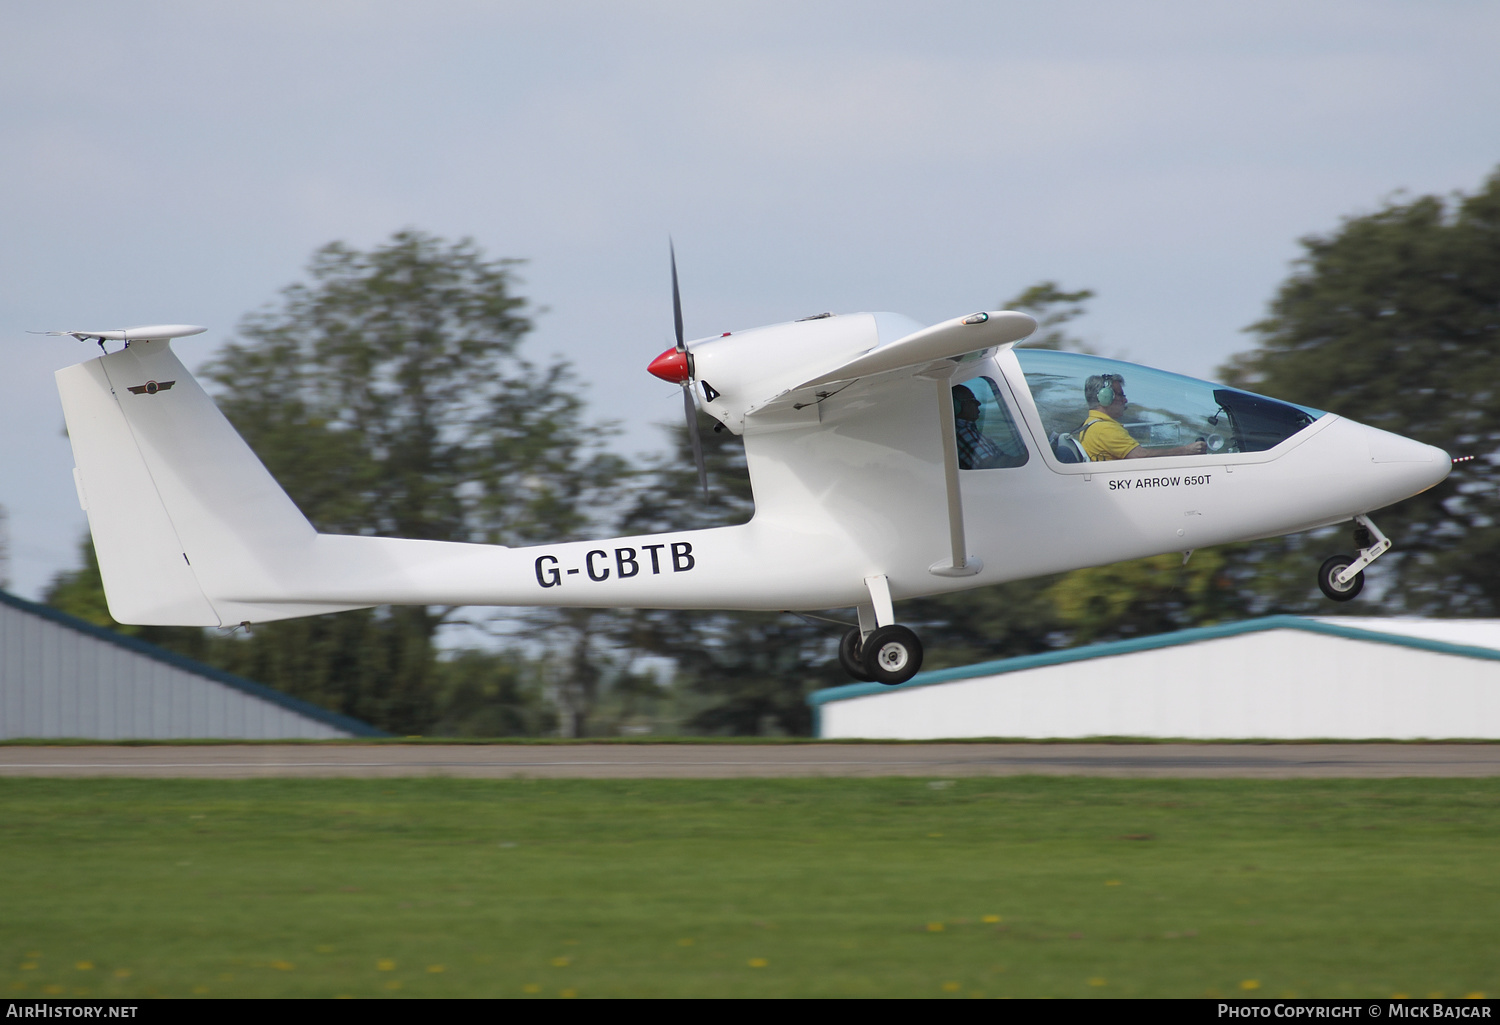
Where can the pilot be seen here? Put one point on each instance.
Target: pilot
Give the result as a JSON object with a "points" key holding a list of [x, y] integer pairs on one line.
{"points": [[1103, 437], [975, 451]]}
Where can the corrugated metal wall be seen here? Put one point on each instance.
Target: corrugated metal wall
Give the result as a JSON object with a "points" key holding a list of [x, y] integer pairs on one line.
{"points": [[57, 681]]}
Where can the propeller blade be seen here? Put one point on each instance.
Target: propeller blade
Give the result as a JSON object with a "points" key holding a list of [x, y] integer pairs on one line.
{"points": [[692, 423], [676, 299]]}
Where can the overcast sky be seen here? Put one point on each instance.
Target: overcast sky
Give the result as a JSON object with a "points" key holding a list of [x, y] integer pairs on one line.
{"points": [[178, 162]]}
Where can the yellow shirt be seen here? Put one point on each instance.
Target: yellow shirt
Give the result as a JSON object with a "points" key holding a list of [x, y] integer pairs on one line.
{"points": [[1102, 437]]}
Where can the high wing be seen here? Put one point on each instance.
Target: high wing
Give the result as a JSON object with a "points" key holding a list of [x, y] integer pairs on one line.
{"points": [[916, 353]]}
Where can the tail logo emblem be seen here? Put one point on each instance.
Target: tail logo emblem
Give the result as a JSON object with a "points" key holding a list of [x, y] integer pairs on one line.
{"points": [[151, 387]]}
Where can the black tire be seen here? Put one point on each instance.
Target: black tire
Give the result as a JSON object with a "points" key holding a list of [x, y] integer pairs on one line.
{"points": [[892, 655], [849, 655], [1330, 587]]}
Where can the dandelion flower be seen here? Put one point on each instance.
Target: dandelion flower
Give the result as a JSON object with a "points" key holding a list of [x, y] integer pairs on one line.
{"points": [[758, 962], [200, 990], [561, 962], [531, 987], [1250, 984], [29, 966], [568, 994], [282, 966], [393, 984], [435, 969], [1476, 995], [990, 919], [1096, 981], [85, 966], [685, 943], [950, 987], [934, 926], [122, 973], [385, 964]]}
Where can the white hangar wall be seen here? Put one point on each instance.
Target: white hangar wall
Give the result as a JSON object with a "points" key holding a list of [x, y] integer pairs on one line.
{"points": [[1279, 678], [62, 677]]}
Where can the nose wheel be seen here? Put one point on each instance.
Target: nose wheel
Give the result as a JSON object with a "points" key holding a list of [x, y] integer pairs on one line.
{"points": [[1341, 577], [1331, 578]]}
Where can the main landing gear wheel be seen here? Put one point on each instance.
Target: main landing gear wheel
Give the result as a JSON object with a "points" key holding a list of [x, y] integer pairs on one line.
{"points": [[892, 655], [849, 655], [1328, 581]]}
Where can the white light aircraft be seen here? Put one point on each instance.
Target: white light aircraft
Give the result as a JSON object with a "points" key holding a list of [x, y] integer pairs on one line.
{"points": [[888, 460]]}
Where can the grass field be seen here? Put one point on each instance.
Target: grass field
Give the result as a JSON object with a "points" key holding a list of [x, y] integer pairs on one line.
{"points": [[892, 887]]}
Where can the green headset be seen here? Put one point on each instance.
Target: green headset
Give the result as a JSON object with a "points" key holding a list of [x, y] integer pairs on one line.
{"points": [[1106, 395]]}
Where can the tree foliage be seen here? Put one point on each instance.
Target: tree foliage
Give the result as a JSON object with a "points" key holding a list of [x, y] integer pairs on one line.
{"points": [[1052, 308], [737, 673], [388, 396], [1144, 597], [1394, 320]]}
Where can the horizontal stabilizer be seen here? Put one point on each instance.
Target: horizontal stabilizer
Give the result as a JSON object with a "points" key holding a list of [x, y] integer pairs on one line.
{"points": [[151, 333]]}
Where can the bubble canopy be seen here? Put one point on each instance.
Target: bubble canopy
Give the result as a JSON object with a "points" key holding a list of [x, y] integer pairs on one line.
{"points": [[1164, 409]]}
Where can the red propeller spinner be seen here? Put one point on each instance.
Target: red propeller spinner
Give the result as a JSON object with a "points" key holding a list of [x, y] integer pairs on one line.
{"points": [[671, 365]]}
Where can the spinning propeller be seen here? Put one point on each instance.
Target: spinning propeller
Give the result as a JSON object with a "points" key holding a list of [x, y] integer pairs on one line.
{"points": [[676, 365]]}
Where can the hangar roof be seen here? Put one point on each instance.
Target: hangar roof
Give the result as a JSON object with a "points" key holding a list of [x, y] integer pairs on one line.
{"points": [[1471, 638], [1474, 633]]}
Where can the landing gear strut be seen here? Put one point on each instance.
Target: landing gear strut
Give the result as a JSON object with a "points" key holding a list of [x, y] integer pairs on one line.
{"points": [[879, 651], [1341, 577]]}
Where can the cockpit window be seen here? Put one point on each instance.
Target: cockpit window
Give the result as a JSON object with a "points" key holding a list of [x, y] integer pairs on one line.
{"points": [[1163, 411], [987, 435]]}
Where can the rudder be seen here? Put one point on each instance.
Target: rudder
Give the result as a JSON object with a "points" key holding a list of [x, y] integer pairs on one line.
{"points": [[187, 521]]}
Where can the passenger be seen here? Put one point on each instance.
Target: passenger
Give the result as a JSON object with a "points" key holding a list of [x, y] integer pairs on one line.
{"points": [[1103, 437], [975, 451]]}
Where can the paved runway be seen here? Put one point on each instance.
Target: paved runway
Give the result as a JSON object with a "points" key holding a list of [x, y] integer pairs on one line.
{"points": [[723, 761]]}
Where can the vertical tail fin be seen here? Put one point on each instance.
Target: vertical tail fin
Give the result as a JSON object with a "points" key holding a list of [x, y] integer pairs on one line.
{"points": [[184, 515]]}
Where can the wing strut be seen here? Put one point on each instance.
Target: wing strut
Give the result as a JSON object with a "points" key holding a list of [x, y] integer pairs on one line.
{"points": [[961, 563]]}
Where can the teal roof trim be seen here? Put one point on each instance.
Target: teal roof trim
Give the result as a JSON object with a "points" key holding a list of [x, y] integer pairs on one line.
{"points": [[171, 658], [1169, 640]]}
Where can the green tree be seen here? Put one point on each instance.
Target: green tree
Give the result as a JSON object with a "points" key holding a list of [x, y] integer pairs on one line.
{"points": [[737, 673], [1144, 597], [1394, 320], [387, 394], [1052, 308]]}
